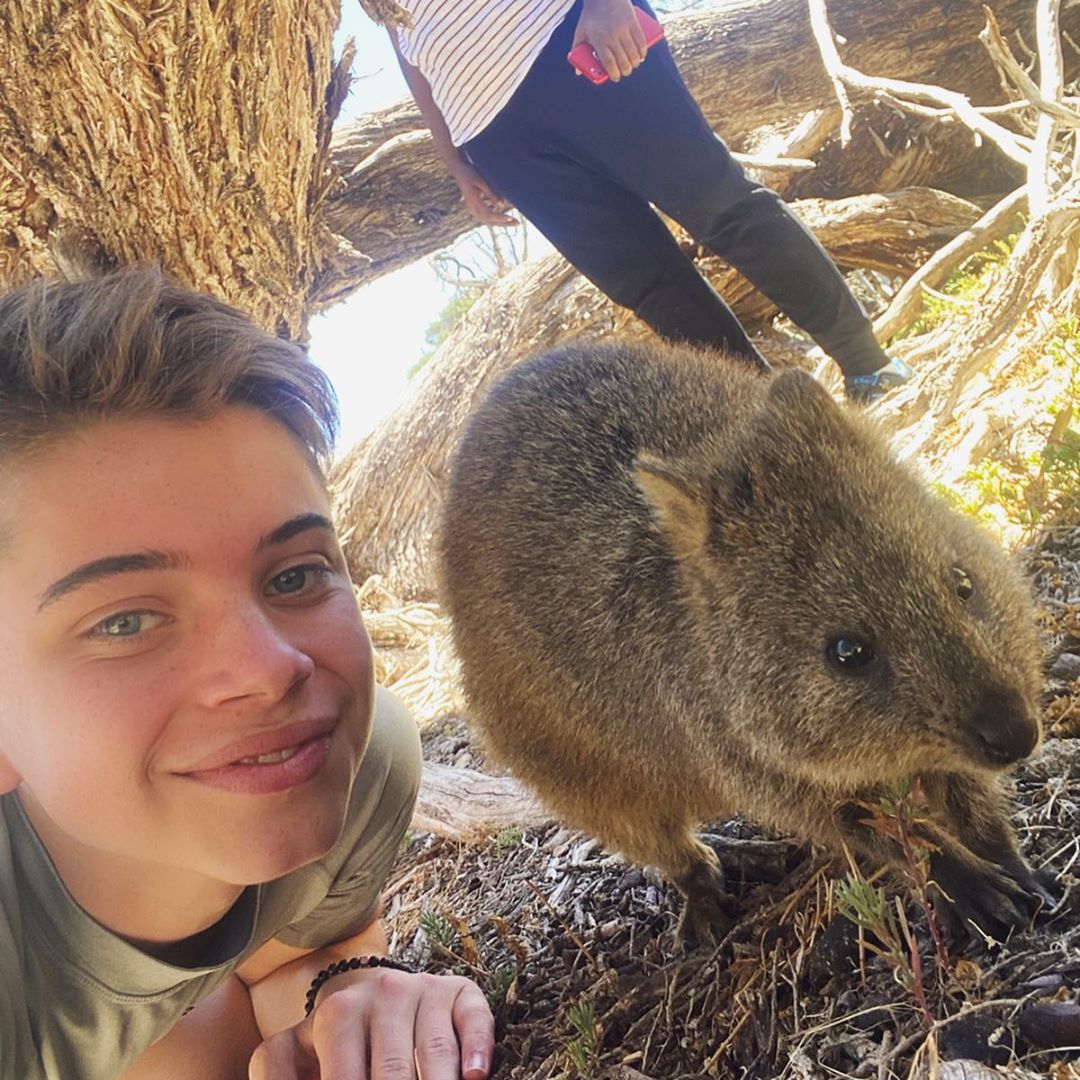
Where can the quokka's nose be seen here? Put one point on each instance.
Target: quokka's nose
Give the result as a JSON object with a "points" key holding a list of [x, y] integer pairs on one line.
{"points": [[1004, 726]]}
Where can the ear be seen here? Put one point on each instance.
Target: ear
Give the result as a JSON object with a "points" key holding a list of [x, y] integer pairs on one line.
{"points": [[797, 427], [680, 505], [797, 401]]}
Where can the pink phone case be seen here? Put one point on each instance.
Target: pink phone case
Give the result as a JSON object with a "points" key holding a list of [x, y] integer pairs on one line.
{"points": [[584, 58]]}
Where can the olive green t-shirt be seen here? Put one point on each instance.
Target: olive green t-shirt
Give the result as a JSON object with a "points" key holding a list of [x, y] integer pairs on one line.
{"points": [[79, 1003]]}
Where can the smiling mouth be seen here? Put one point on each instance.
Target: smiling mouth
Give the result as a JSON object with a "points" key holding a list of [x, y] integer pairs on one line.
{"points": [[276, 758], [271, 773]]}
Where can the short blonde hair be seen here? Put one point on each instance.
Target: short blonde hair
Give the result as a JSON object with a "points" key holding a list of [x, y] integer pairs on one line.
{"points": [[133, 343]]}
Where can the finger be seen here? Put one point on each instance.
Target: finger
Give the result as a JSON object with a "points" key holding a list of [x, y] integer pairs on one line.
{"points": [[637, 37], [488, 215], [475, 1027], [609, 61], [623, 57], [278, 1058], [493, 199], [340, 1038], [392, 1025], [437, 1050]]}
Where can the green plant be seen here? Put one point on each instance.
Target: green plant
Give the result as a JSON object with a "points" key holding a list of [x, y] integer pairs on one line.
{"points": [[509, 839], [1033, 489], [438, 330], [437, 929], [584, 1048], [501, 983], [898, 817]]}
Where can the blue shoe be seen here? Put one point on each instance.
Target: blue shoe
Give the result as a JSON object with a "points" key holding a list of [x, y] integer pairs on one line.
{"points": [[868, 389]]}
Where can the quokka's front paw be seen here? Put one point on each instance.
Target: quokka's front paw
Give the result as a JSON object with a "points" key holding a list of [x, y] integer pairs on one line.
{"points": [[974, 896]]}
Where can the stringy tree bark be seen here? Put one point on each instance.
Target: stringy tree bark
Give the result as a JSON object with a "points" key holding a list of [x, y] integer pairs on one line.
{"points": [[188, 133]]}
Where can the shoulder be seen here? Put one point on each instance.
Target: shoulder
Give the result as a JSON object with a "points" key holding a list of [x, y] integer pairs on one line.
{"points": [[339, 895], [16, 1036], [385, 788]]}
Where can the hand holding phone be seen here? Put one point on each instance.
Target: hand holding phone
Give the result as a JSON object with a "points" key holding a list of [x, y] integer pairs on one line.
{"points": [[584, 58]]}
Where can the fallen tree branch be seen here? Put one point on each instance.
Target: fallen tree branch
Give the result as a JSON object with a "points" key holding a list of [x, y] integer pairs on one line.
{"points": [[907, 304], [1016, 147], [1038, 243], [466, 805]]}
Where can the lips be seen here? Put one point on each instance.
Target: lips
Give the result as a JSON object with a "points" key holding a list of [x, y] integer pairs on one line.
{"points": [[276, 741]]}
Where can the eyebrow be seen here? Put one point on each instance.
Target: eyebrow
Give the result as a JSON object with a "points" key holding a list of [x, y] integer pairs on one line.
{"points": [[293, 527], [112, 565]]}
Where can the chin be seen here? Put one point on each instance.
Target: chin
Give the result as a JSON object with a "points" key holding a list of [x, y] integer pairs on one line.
{"points": [[284, 844], [260, 864]]}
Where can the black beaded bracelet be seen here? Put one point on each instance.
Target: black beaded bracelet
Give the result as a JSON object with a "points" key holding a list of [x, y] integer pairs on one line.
{"points": [[354, 963]]}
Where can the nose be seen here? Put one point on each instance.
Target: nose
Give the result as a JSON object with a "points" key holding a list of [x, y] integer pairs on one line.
{"points": [[1006, 728], [248, 657]]}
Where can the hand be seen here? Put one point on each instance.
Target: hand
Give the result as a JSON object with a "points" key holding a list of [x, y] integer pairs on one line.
{"points": [[612, 29], [377, 1024], [479, 199]]}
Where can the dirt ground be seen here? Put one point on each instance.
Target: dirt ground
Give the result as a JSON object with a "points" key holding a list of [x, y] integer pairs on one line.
{"points": [[576, 952]]}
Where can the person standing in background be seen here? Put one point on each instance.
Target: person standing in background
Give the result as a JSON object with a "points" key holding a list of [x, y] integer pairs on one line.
{"points": [[586, 164]]}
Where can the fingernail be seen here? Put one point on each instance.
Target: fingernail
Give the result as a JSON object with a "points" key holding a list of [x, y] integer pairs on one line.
{"points": [[477, 1060]]}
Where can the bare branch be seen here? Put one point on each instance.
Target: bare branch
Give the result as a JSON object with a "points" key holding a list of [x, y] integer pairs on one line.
{"points": [[1014, 71], [907, 303], [834, 66], [1016, 147], [1041, 178]]}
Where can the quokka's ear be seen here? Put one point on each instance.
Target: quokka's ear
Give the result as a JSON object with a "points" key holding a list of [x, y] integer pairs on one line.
{"points": [[796, 437], [799, 392], [679, 504]]}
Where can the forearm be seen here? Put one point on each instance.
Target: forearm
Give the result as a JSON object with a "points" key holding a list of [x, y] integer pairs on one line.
{"points": [[425, 102], [278, 994], [214, 1041]]}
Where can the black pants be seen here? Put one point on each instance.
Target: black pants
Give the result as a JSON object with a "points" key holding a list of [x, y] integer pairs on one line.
{"points": [[583, 163]]}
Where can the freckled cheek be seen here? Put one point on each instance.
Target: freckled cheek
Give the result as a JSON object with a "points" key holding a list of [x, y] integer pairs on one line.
{"points": [[127, 708], [99, 733], [340, 644]]}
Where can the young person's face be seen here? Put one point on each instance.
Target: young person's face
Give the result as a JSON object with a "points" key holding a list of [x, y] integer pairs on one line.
{"points": [[172, 602]]}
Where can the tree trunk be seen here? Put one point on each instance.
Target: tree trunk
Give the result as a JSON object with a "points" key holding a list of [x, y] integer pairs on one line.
{"points": [[396, 202], [388, 489], [192, 134]]}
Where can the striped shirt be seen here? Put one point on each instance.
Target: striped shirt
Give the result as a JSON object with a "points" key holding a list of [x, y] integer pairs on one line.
{"points": [[475, 53]]}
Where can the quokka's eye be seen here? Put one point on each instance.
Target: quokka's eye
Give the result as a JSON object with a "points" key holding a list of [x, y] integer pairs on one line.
{"points": [[850, 655], [965, 587]]}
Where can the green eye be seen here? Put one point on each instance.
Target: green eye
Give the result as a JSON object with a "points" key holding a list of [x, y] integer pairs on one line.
{"points": [[298, 579], [127, 624]]}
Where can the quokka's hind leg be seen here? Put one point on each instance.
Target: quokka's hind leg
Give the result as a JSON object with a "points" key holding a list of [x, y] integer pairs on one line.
{"points": [[648, 825], [692, 866], [705, 916]]}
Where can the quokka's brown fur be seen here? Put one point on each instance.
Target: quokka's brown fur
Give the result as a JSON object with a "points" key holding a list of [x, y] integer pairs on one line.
{"points": [[651, 555]]}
